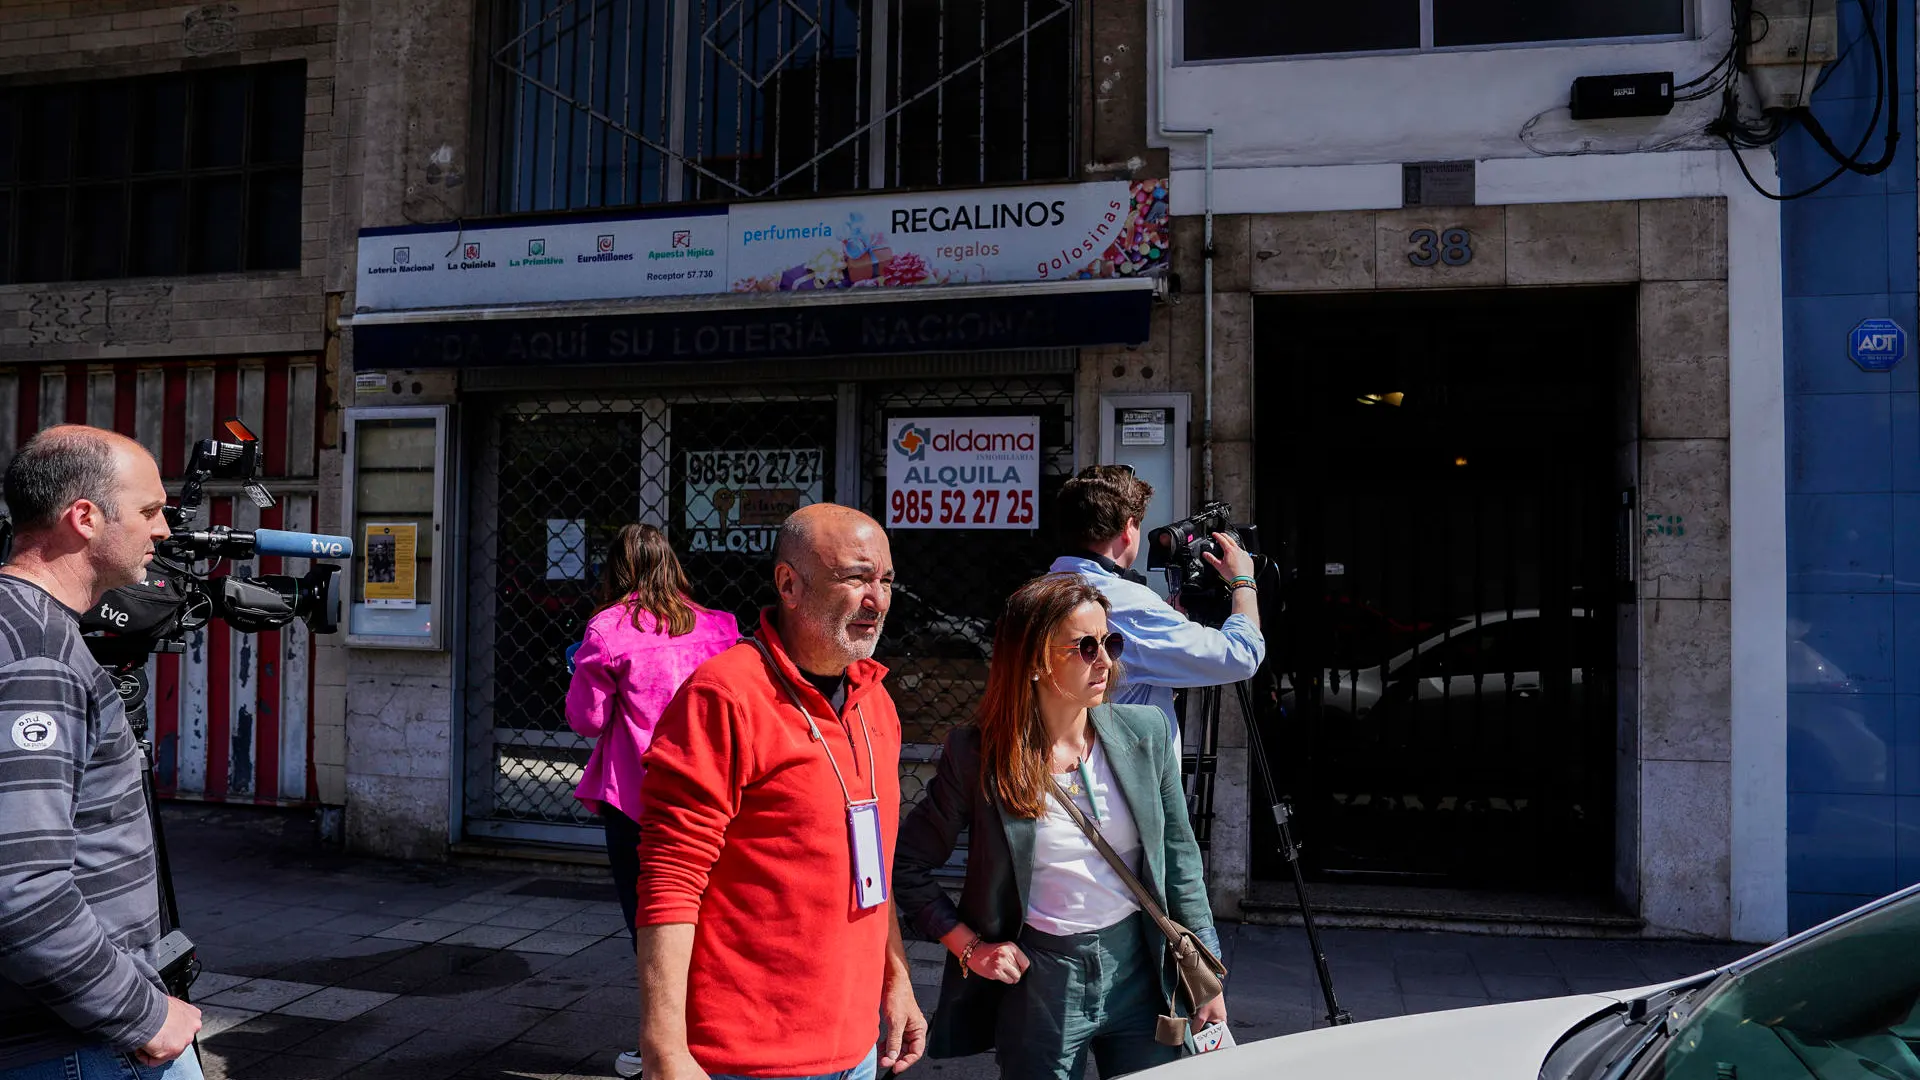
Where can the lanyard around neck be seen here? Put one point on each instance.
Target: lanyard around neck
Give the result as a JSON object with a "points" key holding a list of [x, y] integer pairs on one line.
{"points": [[813, 729]]}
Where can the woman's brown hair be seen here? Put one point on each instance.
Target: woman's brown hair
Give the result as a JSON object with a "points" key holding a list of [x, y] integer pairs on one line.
{"points": [[1014, 754], [644, 574]]}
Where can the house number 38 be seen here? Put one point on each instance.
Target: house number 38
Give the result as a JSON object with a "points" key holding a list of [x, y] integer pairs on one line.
{"points": [[1454, 247]]}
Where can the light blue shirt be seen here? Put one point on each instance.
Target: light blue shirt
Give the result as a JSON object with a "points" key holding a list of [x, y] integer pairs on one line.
{"points": [[1165, 649]]}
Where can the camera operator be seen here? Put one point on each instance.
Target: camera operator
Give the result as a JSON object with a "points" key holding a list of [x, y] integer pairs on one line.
{"points": [[79, 896], [1099, 512]]}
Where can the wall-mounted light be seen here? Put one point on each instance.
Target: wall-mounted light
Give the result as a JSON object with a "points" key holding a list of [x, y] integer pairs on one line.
{"points": [[1460, 461], [1394, 399]]}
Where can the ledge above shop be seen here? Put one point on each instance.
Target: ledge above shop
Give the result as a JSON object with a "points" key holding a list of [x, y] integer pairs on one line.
{"points": [[760, 326]]}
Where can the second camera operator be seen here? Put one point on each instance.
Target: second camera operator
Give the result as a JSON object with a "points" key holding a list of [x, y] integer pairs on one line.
{"points": [[1099, 512]]}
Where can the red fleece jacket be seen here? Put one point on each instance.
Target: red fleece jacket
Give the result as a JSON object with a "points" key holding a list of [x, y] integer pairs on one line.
{"points": [[743, 832]]}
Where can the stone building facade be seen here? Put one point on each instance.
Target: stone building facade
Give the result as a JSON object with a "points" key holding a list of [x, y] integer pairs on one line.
{"points": [[1643, 267]]}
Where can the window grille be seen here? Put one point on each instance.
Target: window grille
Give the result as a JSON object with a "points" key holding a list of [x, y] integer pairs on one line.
{"points": [[642, 102], [189, 173]]}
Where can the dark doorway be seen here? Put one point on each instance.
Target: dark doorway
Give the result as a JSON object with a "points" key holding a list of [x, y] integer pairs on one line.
{"points": [[1437, 469]]}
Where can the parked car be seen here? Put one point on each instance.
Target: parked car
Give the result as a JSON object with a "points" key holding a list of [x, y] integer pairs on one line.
{"points": [[1492, 659], [915, 627], [1838, 1002]]}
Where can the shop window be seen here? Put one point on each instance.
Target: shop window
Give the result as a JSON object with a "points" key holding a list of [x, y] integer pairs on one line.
{"points": [[189, 173], [638, 102], [1229, 30]]}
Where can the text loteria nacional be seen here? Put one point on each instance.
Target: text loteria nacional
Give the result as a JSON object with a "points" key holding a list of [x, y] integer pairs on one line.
{"points": [[977, 472], [1049, 232]]}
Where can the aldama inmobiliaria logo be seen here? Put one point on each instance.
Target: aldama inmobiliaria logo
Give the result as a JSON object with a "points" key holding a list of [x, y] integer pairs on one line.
{"points": [[912, 442]]}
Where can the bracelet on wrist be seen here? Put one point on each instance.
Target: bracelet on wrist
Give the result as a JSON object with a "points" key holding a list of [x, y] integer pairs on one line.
{"points": [[966, 954], [1241, 581]]}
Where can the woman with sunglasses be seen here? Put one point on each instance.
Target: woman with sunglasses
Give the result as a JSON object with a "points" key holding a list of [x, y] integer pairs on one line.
{"points": [[1049, 956]]}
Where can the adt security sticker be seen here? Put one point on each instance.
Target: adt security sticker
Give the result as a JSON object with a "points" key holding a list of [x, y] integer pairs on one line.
{"points": [[34, 731]]}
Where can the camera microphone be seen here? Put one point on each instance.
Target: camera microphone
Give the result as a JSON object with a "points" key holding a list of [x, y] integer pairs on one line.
{"points": [[301, 545], [224, 542]]}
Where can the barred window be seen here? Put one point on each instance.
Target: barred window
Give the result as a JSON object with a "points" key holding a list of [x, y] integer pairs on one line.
{"points": [[598, 103], [174, 174]]}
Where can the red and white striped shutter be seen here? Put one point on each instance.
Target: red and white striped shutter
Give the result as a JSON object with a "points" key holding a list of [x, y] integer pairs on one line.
{"points": [[231, 715]]}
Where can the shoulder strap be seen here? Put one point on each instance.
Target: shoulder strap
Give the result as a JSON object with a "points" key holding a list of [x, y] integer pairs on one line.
{"points": [[1140, 894]]}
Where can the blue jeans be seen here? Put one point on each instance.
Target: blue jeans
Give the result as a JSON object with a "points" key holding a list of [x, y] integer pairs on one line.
{"points": [[101, 1063], [863, 1071]]}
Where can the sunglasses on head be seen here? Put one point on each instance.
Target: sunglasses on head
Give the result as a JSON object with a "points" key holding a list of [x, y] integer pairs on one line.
{"points": [[1089, 646]]}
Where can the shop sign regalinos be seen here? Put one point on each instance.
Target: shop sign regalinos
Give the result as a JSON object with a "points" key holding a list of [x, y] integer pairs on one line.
{"points": [[1057, 232]]}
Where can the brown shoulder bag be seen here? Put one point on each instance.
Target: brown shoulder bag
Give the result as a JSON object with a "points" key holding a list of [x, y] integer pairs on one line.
{"points": [[1200, 972]]}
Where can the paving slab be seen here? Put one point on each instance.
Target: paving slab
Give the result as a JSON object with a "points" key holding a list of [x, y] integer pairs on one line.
{"points": [[422, 930], [466, 911], [215, 1019], [557, 942], [486, 937], [335, 1003], [262, 995], [527, 918]]}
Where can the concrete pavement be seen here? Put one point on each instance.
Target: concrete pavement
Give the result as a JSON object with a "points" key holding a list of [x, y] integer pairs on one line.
{"points": [[322, 965]]}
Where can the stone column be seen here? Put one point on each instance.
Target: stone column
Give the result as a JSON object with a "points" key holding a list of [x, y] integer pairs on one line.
{"points": [[1685, 588], [405, 160]]}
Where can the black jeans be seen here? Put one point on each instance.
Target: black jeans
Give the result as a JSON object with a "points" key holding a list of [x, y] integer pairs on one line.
{"points": [[623, 855]]}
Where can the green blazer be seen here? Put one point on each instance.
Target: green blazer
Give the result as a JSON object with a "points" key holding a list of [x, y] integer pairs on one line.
{"points": [[993, 902]]}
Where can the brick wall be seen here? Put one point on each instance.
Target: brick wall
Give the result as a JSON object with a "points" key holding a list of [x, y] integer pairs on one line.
{"points": [[195, 315]]}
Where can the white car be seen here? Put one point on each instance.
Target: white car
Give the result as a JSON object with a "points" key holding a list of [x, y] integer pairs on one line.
{"points": [[1838, 1002], [1488, 660]]}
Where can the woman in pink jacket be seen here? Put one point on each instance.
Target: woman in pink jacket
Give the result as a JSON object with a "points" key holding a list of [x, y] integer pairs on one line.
{"points": [[646, 638]]}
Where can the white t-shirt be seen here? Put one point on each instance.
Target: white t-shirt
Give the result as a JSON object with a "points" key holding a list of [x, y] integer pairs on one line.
{"points": [[1073, 889]]}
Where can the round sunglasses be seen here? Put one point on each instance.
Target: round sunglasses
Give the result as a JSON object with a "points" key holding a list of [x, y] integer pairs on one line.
{"points": [[1089, 646]]}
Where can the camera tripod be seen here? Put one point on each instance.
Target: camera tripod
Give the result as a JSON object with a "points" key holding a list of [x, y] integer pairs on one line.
{"points": [[1208, 700], [175, 957]]}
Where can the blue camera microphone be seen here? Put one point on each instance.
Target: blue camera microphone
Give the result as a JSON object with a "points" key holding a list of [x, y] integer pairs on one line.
{"points": [[300, 545]]}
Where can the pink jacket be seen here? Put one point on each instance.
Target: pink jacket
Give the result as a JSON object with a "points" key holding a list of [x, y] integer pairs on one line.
{"points": [[622, 681]]}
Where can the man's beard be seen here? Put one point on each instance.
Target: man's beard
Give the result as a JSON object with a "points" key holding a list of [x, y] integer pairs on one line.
{"points": [[858, 650], [838, 634]]}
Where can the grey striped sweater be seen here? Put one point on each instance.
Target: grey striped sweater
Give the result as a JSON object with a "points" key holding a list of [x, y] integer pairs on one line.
{"points": [[79, 906]]}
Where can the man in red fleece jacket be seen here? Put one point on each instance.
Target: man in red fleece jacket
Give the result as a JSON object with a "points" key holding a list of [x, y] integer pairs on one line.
{"points": [[759, 957]]}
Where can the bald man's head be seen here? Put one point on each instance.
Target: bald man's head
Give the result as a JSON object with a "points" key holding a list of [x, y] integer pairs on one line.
{"points": [[62, 465], [801, 534], [833, 569]]}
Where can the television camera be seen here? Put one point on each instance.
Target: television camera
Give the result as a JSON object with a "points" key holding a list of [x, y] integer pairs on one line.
{"points": [[177, 598], [156, 615], [1176, 549]]}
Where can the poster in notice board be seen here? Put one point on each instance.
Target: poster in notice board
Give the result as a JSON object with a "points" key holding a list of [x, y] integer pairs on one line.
{"points": [[391, 572]]}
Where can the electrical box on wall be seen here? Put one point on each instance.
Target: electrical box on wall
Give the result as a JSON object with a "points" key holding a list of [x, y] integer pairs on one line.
{"points": [[1785, 59], [1604, 97], [1148, 432]]}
